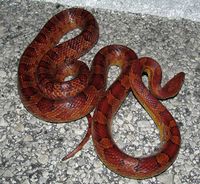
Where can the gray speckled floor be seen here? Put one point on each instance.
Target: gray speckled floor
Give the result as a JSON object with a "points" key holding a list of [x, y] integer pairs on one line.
{"points": [[31, 150], [188, 9]]}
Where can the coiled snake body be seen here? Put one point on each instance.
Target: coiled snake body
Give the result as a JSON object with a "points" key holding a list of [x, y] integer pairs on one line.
{"points": [[45, 93]]}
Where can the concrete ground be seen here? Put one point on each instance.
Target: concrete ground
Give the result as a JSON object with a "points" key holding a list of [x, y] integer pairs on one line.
{"points": [[31, 149], [189, 9]]}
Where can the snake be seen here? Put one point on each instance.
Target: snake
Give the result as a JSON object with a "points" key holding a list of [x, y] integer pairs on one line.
{"points": [[47, 94]]}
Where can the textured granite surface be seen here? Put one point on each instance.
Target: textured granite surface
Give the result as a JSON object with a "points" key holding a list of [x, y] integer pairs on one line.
{"points": [[31, 149], [188, 9]]}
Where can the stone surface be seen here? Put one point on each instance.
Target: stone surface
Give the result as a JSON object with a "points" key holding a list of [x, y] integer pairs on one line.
{"points": [[188, 9], [31, 150]]}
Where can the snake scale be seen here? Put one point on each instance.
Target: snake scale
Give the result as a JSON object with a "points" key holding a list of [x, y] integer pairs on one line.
{"points": [[46, 94]]}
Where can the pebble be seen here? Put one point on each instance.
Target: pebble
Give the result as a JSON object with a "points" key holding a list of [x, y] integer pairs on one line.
{"points": [[143, 124], [3, 123], [129, 117], [19, 127], [177, 180], [70, 171], [25, 181], [8, 174], [79, 132], [98, 167], [43, 159], [166, 178], [62, 130], [28, 138], [2, 138], [8, 154], [2, 73], [132, 182]]}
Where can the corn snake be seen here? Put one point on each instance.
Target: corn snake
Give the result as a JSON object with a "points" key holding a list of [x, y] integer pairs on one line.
{"points": [[43, 91]]}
